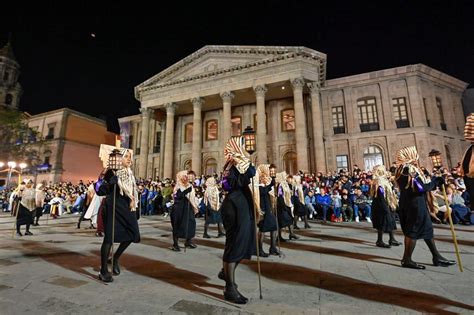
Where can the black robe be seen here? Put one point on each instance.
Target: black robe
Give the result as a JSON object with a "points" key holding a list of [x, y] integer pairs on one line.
{"points": [[126, 224], [268, 223], [285, 218], [414, 214], [25, 216], [237, 213], [182, 215], [468, 181], [382, 217]]}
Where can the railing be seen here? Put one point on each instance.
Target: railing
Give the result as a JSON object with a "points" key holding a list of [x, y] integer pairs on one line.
{"points": [[156, 149], [369, 127], [338, 130], [402, 123]]}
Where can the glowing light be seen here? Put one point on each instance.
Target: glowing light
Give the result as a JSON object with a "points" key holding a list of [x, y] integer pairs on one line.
{"points": [[11, 164], [282, 87], [93, 35], [22, 165]]}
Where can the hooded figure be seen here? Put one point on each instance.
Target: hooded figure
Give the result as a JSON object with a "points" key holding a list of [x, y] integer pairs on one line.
{"points": [[415, 219], [125, 226], [40, 196], [26, 195], [237, 213], [284, 205], [212, 202]]}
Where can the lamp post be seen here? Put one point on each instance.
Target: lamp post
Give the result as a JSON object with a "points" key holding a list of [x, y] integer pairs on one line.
{"points": [[435, 157], [11, 166], [114, 164]]}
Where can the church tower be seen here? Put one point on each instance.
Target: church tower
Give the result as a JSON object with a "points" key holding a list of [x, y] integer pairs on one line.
{"points": [[10, 88]]}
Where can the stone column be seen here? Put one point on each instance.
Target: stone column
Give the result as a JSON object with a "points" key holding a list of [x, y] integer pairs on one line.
{"points": [[416, 102], [300, 124], [169, 145], [143, 160], [260, 91], [162, 147], [226, 116], [317, 115], [197, 135]]}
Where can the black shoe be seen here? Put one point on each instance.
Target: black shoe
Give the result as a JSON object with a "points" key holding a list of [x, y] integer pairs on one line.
{"points": [[106, 278], [99, 234], [293, 237], [78, 225], [18, 233], [282, 239], [115, 267], [382, 244], [221, 276], [175, 248], [394, 243], [232, 295], [28, 233], [412, 265], [190, 245], [220, 234], [443, 262], [306, 226], [274, 252], [262, 253], [206, 235]]}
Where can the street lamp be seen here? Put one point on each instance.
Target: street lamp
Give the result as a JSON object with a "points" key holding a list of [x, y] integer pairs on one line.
{"points": [[435, 157], [249, 137], [11, 166]]}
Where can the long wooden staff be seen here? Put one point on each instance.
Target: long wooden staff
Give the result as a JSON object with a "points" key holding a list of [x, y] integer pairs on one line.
{"points": [[17, 206], [276, 215], [256, 241], [113, 223], [448, 209]]}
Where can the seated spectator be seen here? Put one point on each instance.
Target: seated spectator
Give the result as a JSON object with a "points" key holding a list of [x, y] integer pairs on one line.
{"points": [[361, 203], [337, 206], [324, 203], [347, 208], [310, 202]]}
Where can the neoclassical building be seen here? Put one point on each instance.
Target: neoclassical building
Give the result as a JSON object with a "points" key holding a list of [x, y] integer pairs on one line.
{"points": [[302, 121], [10, 88]]}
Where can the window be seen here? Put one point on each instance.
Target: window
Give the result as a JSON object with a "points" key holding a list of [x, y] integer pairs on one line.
{"points": [[289, 163], [426, 112], [337, 120], [188, 165], [211, 129], [50, 134], [439, 105], [400, 112], [368, 119], [8, 99], [211, 166], [236, 122], [342, 162], [255, 122], [157, 147], [372, 157], [287, 119], [137, 150], [188, 133], [130, 142], [46, 160]]}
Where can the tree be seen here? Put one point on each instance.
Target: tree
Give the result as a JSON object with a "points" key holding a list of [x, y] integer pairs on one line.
{"points": [[17, 138]]}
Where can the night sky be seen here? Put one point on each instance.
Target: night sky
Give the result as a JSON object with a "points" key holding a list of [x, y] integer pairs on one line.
{"points": [[63, 65]]}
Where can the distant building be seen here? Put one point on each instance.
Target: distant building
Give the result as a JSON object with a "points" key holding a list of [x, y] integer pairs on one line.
{"points": [[303, 121], [70, 151], [10, 88], [468, 101]]}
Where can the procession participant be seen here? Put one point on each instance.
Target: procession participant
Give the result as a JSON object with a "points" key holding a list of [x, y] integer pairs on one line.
{"points": [[300, 209], [237, 215], [284, 205], [39, 202], [414, 214], [91, 192], [212, 202], [268, 222], [124, 229], [383, 204], [26, 195], [182, 217]]}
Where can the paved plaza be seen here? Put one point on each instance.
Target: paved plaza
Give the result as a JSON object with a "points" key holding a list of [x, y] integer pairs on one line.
{"points": [[332, 269]]}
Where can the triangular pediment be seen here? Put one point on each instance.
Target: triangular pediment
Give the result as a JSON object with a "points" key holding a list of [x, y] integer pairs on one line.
{"points": [[212, 59]]}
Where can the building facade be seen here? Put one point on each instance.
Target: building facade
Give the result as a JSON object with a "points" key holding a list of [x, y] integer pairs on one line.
{"points": [[303, 121], [10, 88], [70, 147]]}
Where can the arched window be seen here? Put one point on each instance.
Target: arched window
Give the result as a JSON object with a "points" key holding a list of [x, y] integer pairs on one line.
{"points": [[289, 163], [236, 126], [187, 165], [372, 156], [287, 119], [211, 129], [210, 167], [188, 133]]}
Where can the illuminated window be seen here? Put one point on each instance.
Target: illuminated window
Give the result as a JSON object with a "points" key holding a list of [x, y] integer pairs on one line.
{"points": [[188, 133], [288, 119], [236, 126], [211, 129]]}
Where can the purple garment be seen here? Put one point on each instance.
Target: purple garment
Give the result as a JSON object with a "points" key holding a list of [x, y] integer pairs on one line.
{"points": [[418, 185], [97, 184], [225, 184], [381, 191], [280, 191]]}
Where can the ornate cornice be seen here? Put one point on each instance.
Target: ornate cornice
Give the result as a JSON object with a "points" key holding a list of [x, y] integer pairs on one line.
{"points": [[260, 90], [146, 112], [314, 87], [197, 102], [275, 54], [227, 96], [297, 83], [171, 108]]}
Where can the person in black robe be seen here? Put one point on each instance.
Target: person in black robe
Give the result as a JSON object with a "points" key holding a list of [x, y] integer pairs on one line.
{"points": [[383, 201], [284, 205], [212, 208], [182, 216], [26, 203], [237, 213], [414, 215], [126, 225], [300, 209]]}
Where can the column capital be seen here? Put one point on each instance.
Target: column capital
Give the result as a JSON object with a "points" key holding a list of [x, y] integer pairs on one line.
{"points": [[260, 90], [314, 87], [197, 102], [297, 83], [170, 108], [146, 112], [227, 96]]}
